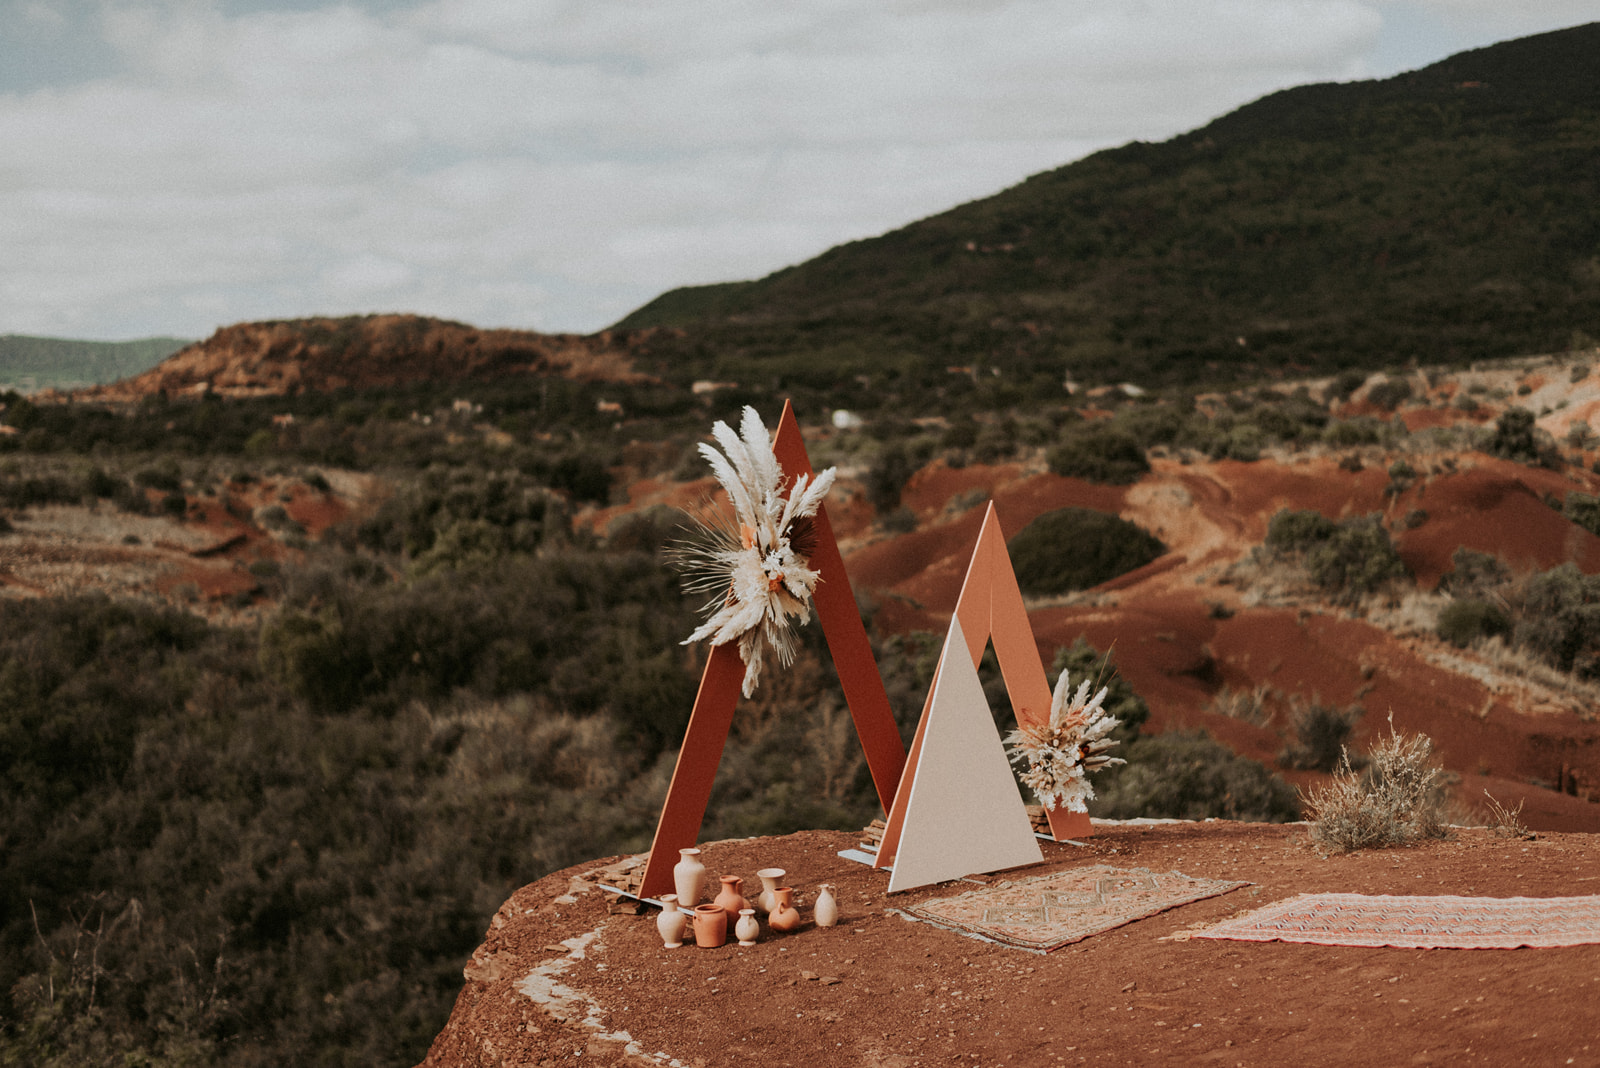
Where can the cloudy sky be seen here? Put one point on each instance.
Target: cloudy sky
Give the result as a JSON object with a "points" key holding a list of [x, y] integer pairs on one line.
{"points": [[169, 166]]}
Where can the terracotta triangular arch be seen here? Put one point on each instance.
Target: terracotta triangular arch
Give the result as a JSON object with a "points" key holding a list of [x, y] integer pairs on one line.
{"points": [[990, 607], [714, 704]]}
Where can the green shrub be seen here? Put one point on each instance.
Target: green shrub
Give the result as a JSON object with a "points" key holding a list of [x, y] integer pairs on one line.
{"points": [[1083, 661], [1399, 798], [891, 469], [1473, 574], [1348, 558], [1516, 438], [1099, 452], [1356, 559], [1347, 382], [1320, 734], [1297, 531], [1463, 622], [1558, 619], [1182, 775], [1583, 510], [1390, 393], [1075, 548], [1344, 433]]}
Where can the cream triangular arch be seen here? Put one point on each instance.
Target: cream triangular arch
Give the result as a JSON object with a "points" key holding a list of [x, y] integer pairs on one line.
{"points": [[962, 813]]}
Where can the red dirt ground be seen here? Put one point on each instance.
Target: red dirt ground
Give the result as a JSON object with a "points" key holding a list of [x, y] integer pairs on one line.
{"points": [[889, 993]]}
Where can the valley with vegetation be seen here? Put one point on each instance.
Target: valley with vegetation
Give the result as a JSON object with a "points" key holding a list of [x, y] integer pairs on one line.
{"points": [[319, 638]]}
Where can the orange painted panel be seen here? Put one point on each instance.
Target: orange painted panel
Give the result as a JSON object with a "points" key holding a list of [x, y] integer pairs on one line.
{"points": [[696, 770]]}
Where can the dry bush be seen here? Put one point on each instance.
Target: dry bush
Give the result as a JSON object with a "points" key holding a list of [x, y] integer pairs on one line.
{"points": [[1249, 706], [1397, 800], [1505, 822]]}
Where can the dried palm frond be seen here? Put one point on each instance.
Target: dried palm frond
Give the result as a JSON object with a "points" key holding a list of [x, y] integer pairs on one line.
{"points": [[756, 567], [1060, 754]]}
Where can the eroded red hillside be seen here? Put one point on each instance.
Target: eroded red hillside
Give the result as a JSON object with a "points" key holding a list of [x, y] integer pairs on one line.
{"points": [[292, 356]]}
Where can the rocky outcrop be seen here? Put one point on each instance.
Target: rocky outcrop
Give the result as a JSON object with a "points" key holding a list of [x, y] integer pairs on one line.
{"points": [[292, 356]]}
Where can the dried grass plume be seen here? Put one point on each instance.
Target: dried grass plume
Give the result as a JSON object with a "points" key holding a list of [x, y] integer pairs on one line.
{"points": [[756, 569]]}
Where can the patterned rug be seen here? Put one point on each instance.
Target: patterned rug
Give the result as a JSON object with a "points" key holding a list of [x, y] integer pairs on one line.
{"points": [[1419, 922], [1051, 911]]}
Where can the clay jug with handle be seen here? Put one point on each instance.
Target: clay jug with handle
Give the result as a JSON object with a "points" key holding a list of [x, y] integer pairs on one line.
{"points": [[748, 929], [784, 917], [731, 899], [770, 878], [826, 910]]}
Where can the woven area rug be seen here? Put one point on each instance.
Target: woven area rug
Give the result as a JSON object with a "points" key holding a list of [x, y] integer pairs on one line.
{"points": [[1419, 922], [1051, 911]]}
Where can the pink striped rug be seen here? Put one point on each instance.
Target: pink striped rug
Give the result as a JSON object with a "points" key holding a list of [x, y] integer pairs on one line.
{"points": [[1418, 922]]}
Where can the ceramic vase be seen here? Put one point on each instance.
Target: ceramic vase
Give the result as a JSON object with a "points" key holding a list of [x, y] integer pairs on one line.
{"points": [[710, 926], [826, 910], [784, 916], [671, 922], [770, 878], [748, 929], [689, 878], [731, 898]]}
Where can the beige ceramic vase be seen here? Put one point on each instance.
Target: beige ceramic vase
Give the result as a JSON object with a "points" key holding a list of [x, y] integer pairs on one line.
{"points": [[731, 898], [671, 922], [826, 911], [689, 878], [748, 929], [784, 916], [770, 878], [710, 926]]}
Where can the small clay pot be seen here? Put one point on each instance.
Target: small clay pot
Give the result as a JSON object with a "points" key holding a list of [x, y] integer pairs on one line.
{"points": [[710, 926]]}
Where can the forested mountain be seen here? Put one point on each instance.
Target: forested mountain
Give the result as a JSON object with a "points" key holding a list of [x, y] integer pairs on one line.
{"points": [[31, 363], [1445, 214]]}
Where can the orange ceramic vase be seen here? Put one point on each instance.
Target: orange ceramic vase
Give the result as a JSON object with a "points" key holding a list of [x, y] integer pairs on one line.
{"points": [[731, 898], [784, 916]]}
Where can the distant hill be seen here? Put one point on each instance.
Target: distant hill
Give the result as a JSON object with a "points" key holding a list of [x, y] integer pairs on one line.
{"points": [[1446, 214], [292, 356], [34, 363]]}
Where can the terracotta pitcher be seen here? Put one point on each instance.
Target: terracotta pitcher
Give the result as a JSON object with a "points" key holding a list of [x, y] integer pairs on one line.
{"points": [[731, 898], [784, 916]]}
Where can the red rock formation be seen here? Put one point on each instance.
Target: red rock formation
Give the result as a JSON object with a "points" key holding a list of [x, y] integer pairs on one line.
{"points": [[292, 356]]}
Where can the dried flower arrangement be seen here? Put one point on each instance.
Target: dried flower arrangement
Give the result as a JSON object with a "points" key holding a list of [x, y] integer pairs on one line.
{"points": [[1060, 754], [757, 569]]}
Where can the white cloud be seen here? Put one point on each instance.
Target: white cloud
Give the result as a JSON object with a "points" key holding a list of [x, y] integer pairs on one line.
{"points": [[555, 164]]}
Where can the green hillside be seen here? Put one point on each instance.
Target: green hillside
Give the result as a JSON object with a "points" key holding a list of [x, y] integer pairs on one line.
{"points": [[30, 363], [1446, 214]]}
